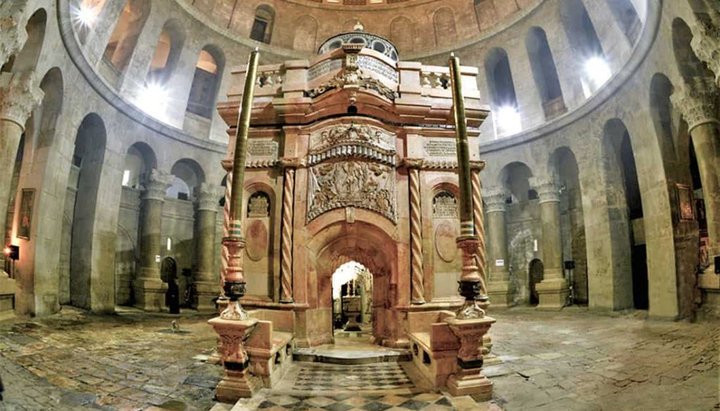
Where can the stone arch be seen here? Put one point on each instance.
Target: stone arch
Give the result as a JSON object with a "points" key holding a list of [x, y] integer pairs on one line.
{"points": [[46, 115], [585, 43], [689, 66], [140, 158], [305, 35], [167, 52], [262, 26], [515, 178], [444, 25], [259, 211], [661, 111], [402, 33], [206, 81], [503, 97], [544, 72], [188, 177], [122, 41], [27, 58]]}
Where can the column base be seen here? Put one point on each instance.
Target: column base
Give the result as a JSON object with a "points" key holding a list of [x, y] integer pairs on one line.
{"points": [[207, 291], [150, 294], [500, 294], [470, 382], [235, 385], [552, 293]]}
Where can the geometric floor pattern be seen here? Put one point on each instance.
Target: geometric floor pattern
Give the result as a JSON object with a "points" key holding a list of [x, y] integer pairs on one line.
{"points": [[350, 402], [370, 377]]}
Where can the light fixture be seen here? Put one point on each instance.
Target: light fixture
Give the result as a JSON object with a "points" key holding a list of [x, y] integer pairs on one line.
{"points": [[84, 15], [597, 70], [508, 120], [153, 98], [12, 252]]}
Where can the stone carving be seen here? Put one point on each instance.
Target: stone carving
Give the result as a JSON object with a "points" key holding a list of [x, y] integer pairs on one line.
{"points": [[19, 95], [445, 234], [352, 75], [478, 221], [269, 78], [258, 205], [697, 102], [440, 148], [352, 141], [445, 205], [378, 67], [12, 26], [494, 199], [352, 184], [157, 184], [706, 43], [257, 240], [208, 195], [546, 188], [324, 67], [432, 79]]}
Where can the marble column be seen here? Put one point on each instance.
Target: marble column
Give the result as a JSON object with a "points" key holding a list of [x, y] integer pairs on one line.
{"points": [[499, 288], [706, 42], [286, 238], [19, 95], [553, 289], [206, 277], [698, 104], [148, 287], [13, 22], [417, 285]]}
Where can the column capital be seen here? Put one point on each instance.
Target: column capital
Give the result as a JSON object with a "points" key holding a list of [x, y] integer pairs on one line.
{"points": [[12, 25], [546, 188], [494, 199], [291, 162], [706, 43], [157, 184], [19, 95], [208, 195], [697, 101]]}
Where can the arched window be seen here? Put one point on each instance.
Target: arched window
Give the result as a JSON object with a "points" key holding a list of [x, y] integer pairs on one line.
{"points": [[206, 81], [305, 33], [402, 34], [188, 177], [544, 72], [502, 92], [167, 52], [124, 37], [627, 17], [263, 24], [585, 43], [444, 25]]}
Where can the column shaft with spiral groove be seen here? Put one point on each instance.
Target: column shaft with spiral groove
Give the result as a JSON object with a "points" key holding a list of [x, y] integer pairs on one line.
{"points": [[286, 294], [416, 253]]}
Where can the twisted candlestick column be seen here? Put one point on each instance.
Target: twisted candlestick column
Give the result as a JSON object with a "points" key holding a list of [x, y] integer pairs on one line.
{"points": [[416, 255], [286, 237]]}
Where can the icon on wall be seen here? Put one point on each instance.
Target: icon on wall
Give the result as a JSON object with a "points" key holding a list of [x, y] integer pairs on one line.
{"points": [[26, 211], [685, 202]]}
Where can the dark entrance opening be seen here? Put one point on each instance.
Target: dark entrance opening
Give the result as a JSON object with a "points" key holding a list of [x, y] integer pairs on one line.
{"points": [[535, 271]]}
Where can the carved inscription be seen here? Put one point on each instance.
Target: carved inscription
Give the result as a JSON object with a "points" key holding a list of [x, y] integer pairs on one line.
{"points": [[325, 67], [440, 148], [266, 149], [358, 184], [378, 67]]}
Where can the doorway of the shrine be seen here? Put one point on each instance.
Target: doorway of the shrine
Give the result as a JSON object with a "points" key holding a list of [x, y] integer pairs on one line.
{"points": [[352, 288]]}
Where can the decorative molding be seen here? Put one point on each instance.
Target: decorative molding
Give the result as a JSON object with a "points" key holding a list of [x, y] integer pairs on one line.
{"points": [[706, 43], [359, 141], [19, 95], [207, 196], [156, 185], [697, 101]]}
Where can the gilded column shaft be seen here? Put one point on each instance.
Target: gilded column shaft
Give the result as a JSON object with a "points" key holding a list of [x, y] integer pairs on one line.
{"points": [[416, 252]]}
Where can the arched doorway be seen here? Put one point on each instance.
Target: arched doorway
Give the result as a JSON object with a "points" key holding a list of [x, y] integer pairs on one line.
{"points": [[352, 286], [535, 275], [168, 273]]}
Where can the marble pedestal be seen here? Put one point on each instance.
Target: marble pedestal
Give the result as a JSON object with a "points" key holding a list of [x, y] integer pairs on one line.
{"points": [[237, 382], [468, 378]]}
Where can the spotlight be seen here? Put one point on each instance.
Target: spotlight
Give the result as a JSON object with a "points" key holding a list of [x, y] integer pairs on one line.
{"points": [[84, 15], [12, 252], [508, 120], [597, 70], [152, 99]]}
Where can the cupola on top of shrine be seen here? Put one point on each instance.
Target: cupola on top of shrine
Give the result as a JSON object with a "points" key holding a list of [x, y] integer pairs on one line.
{"points": [[353, 77]]}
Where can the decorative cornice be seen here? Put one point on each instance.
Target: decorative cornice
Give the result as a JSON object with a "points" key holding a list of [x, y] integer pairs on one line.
{"points": [[12, 27], [546, 188], [18, 96], [208, 196], [697, 101], [291, 162], [157, 185], [494, 199]]}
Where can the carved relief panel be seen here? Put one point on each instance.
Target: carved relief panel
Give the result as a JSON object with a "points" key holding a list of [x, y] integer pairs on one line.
{"points": [[352, 166]]}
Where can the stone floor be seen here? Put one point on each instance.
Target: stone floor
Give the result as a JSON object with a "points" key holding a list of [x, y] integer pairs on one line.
{"points": [[571, 360]]}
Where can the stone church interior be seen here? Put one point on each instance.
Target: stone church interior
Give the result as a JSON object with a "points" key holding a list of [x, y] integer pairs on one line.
{"points": [[360, 204]]}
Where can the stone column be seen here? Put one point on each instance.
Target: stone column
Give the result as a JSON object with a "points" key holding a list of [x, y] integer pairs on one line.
{"points": [[698, 103], [18, 97], [12, 25], [206, 281], [553, 289], [286, 237], [706, 42], [148, 287], [499, 289], [417, 286]]}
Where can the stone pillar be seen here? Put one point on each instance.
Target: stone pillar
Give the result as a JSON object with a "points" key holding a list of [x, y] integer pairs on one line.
{"points": [[553, 289], [468, 378], [206, 281], [417, 285], [698, 103], [18, 97], [148, 287], [499, 289], [706, 42], [12, 25], [286, 237]]}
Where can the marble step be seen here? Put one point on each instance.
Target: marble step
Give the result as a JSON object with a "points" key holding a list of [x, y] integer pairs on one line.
{"points": [[329, 354]]}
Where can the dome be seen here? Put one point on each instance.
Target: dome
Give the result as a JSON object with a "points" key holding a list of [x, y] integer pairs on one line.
{"points": [[360, 37]]}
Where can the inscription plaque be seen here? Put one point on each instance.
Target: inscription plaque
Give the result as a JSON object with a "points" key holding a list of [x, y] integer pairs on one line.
{"points": [[440, 148]]}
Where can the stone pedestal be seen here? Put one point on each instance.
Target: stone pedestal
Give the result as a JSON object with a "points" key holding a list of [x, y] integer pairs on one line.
{"points": [[499, 288], [206, 277], [149, 289], [237, 382], [553, 289], [468, 378]]}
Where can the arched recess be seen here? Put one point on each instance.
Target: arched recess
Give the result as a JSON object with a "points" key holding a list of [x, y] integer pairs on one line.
{"points": [[444, 216], [167, 52], [402, 33], [544, 72], [565, 169], [84, 17], [584, 42], [627, 18], [259, 226], [263, 23], [305, 33], [515, 177], [85, 172], [188, 177], [27, 58], [502, 92], [630, 286], [206, 81], [124, 37], [444, 26], [680, 166], [688, 64], [139, 160]]}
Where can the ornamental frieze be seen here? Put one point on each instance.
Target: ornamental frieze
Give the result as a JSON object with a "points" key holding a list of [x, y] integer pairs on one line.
{"points": [[352, 141], [353, 183]]}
